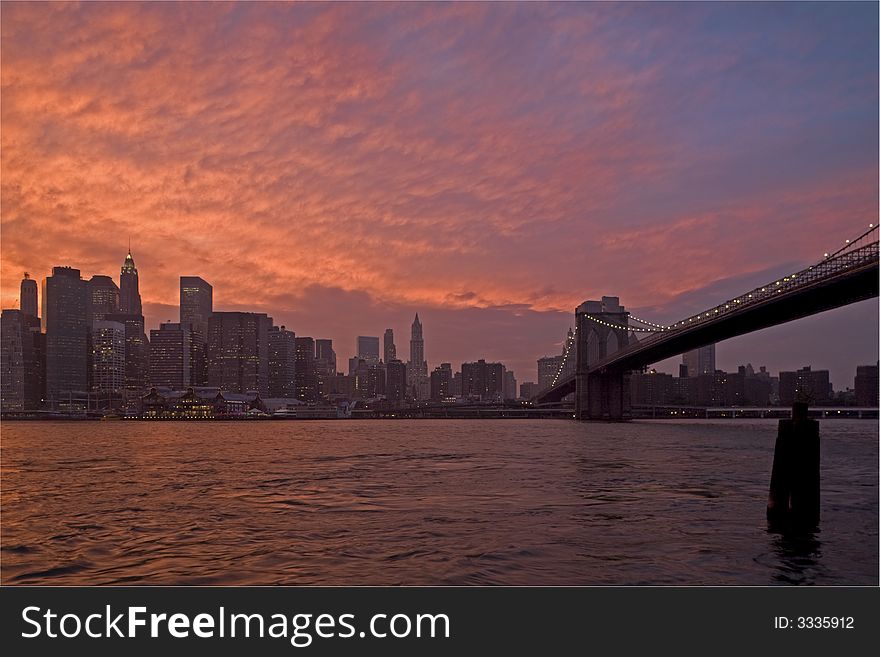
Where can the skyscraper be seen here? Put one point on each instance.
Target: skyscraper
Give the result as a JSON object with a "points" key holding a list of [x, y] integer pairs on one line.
{"points": [[130, 315], [21, 361], [441, 382], [369, 379], [368, 348], [417, 368], [129, 294], [103, 297], [136, 350], [196, 303], [390, 351], [170, 357], [325, 365], [28, 301], [65, 301], [395, 381], [238, 352], [108, 356], [282, 362], [700, 361], [509, 385], [548, 369], [196, 306], [306, 376]]}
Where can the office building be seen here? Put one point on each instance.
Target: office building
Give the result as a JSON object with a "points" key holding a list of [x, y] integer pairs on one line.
{"points": [[390, 350], [482, 380], [22, 367], [528, 390], [107, 356], [306, 373], [509, 385], [196, 303], [238, 352], [395, 381], [549, 367], [28, 294], [137, 350], [325, 365], [700, 361], [171, 356], [65, 302], [866, 385], [441, 382], [282, 362], [368, 348], [805, 384]]}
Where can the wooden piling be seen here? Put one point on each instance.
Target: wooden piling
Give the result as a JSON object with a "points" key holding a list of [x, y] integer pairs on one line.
{"points": [[793, 503]]}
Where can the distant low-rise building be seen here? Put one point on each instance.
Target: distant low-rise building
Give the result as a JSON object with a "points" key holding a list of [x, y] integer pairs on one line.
{"points": [[866, 386], [805, 384]]}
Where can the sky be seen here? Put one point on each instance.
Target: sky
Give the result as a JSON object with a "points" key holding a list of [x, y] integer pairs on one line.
{"points": [[489, 166]]}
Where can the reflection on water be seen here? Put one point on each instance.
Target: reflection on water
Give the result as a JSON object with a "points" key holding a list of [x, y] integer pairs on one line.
{"points": [[799, 558], [425, 502]]}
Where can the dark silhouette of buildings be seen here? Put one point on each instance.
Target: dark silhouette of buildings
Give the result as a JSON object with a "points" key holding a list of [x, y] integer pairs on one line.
{"points": [[395, 381], [441, 382], [482, 380], [805, 384], [699, 361], [65, 308], [509, 384], [866, 386], [282, 362], [238, 352], [528, 389]]}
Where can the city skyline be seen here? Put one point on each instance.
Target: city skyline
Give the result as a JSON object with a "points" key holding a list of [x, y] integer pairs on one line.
{"points": [[359, 189], [190, 286]]}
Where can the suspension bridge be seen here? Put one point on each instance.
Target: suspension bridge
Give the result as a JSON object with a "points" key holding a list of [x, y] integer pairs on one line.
{"points": [[605, 346]]}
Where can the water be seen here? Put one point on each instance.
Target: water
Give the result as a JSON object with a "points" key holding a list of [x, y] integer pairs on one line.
{"points": [[425, 502]]}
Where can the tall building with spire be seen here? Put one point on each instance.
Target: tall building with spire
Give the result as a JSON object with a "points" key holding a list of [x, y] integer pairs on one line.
{"points": [[130, 315], [129, 295], [28, 302], [417, 368]]}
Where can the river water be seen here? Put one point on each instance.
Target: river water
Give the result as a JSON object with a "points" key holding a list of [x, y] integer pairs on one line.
{"points": [[544, 502]]}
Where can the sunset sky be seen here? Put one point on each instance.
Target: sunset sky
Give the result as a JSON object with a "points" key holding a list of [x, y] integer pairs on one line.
{"points": [[491, 166]]}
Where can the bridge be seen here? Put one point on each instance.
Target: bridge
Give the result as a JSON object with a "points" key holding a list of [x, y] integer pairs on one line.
{"points": [[605, 347]]}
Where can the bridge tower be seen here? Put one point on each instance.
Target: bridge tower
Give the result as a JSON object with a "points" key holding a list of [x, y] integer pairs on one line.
{"points": [[601, 395]]}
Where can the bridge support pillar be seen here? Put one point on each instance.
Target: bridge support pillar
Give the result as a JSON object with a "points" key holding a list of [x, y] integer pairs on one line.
{"points": [[602, 396]]}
